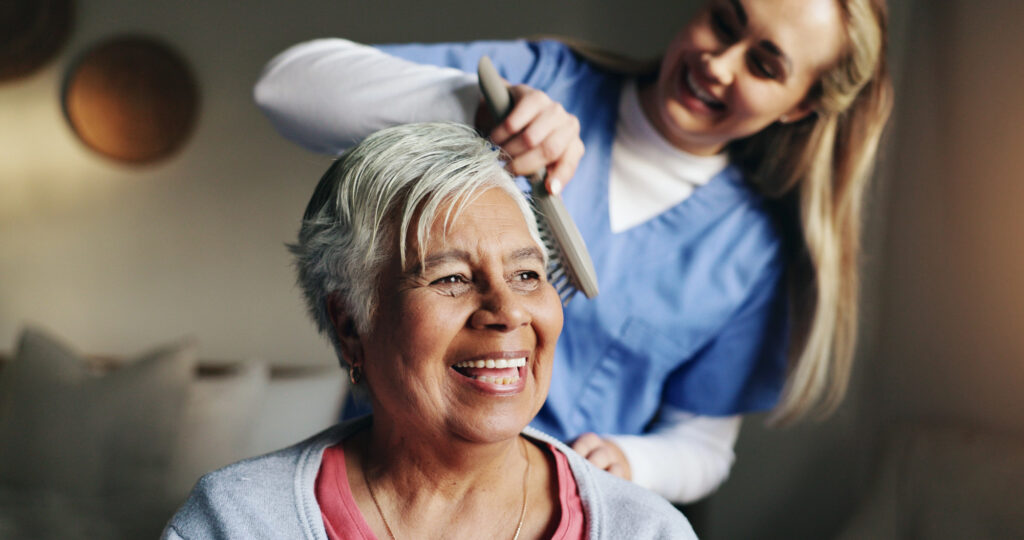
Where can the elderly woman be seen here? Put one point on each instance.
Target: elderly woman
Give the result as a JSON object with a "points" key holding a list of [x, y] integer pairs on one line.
{"points": [[420, 259]]}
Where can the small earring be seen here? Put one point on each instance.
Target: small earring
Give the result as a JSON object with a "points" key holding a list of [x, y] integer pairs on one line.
{"points": [[355, 374], [784, 119]]}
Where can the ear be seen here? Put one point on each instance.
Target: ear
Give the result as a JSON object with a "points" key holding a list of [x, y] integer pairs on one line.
{"points": [[345, 328], [799, 111]]}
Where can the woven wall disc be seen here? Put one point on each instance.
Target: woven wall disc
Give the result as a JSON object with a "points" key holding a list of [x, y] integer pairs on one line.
{"points": [[131, 98], [31, 33]]}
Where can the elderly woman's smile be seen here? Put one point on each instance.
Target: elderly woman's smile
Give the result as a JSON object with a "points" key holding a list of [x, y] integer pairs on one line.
{"points": [[421, 260], [502, 370], [463, 337]]}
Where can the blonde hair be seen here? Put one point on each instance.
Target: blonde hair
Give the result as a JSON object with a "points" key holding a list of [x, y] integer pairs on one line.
{"points": [[818, 168]]}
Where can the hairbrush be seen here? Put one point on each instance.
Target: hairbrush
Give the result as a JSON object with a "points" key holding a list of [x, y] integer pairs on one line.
{"points": [[570, 268]]}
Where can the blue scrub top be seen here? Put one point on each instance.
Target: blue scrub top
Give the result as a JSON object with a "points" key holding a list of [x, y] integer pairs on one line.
{"points": [[692, 310]]}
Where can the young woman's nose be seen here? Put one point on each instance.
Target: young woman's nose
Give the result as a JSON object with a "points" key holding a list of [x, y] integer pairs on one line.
{"points": [[722, 65], [500, 309]]}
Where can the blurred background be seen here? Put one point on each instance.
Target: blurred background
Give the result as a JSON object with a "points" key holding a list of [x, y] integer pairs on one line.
{"points": [[117, 258]]}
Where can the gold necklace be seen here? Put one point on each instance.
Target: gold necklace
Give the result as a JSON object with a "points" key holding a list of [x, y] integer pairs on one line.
{"points": [[522, 512], [366, 480], [526, 489]]}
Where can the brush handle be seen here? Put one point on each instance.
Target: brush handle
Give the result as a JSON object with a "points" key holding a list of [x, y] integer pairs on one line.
{"points": [[550, 207]]}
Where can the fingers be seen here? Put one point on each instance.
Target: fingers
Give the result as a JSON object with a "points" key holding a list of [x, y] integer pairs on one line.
{"points": [[540, 134], [587, 443], [529, 103], [564, 169], [618, 469], [603, 454], [551, 152]]}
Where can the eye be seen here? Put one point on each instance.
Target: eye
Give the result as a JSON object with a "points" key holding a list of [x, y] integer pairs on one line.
{"points": [[526, 280], [762, 68], [449, 280], [722, 27], [452, 285], [527, 275]]}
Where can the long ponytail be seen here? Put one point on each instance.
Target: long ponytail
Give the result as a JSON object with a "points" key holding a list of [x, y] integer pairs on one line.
{"points": [[820, 167]]}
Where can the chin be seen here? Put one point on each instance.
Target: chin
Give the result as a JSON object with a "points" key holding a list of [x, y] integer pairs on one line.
{"points": [[492, 428]]}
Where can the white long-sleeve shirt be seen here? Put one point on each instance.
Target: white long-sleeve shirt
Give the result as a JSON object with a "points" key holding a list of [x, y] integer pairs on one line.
{"points": [[329, 94]]}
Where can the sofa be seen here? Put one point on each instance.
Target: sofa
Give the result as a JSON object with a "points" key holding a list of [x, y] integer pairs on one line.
{"points": [[100, 447]]}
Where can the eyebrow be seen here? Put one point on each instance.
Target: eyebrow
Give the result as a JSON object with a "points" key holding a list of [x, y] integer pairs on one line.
{"points": [[741, 13], [458, 255], [436, 259], [531, 252]]}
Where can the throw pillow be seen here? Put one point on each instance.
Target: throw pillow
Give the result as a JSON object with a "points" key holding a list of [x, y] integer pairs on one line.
{"points": [[301, 401], [67, 428], [217, 423]]}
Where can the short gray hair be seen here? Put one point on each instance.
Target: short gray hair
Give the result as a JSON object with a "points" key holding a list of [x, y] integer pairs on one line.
{"points": [[396, 180]]}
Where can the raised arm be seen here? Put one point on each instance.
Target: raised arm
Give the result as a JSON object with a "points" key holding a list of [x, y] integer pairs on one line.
{"points": [[329, 94]]}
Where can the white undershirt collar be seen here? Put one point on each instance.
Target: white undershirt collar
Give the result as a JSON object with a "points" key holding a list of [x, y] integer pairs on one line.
{"points": [[648, 175]]}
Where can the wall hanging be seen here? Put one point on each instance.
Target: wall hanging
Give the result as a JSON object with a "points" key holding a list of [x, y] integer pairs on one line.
{"points": [[31, 33], [131, 98]]}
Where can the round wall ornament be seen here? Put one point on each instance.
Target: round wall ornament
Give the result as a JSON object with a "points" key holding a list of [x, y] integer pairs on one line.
{"points": [[31, 33], [131, 98]]}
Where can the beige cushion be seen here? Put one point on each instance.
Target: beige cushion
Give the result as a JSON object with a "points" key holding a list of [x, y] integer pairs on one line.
{"points": [[299, 402], [217, 423], [67, 428]]}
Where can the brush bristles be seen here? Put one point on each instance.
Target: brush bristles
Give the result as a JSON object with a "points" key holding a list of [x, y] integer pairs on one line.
{"points": [[559, 275]]}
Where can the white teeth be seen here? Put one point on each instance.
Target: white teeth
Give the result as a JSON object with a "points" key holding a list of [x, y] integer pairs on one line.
{"points": [[497, 380], [699, 92], [501, 363]]}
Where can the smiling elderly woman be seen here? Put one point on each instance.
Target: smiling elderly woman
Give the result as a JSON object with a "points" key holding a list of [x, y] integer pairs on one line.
{"points": [[420, 259]]}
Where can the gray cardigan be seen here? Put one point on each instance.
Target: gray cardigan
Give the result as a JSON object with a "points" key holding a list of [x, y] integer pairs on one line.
{"points": [[272, 496]]}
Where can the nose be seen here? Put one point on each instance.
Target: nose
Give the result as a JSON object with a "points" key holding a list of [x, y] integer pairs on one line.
{"points": [[500, 309], [721, 66]]}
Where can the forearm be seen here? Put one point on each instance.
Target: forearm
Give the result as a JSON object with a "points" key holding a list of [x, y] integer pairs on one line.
{"points": [[685, 457], [329, 94]]}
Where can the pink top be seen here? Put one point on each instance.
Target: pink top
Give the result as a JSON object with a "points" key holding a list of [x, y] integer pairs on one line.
{"points": [[343, 520]]}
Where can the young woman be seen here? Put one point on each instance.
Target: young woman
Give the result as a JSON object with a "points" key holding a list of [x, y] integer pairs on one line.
{"points": [[720, 196]]}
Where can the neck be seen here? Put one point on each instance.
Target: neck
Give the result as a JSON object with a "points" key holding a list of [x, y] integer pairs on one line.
{"points": [[439, 466], [451, 488], [437, 486]]}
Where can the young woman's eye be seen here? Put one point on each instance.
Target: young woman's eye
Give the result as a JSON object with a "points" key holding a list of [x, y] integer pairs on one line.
{"points": [[722, 28], [762, 68]]}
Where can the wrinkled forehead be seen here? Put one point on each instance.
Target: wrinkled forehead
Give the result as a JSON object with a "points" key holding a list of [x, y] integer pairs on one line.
{"points": [[487, 220]]}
